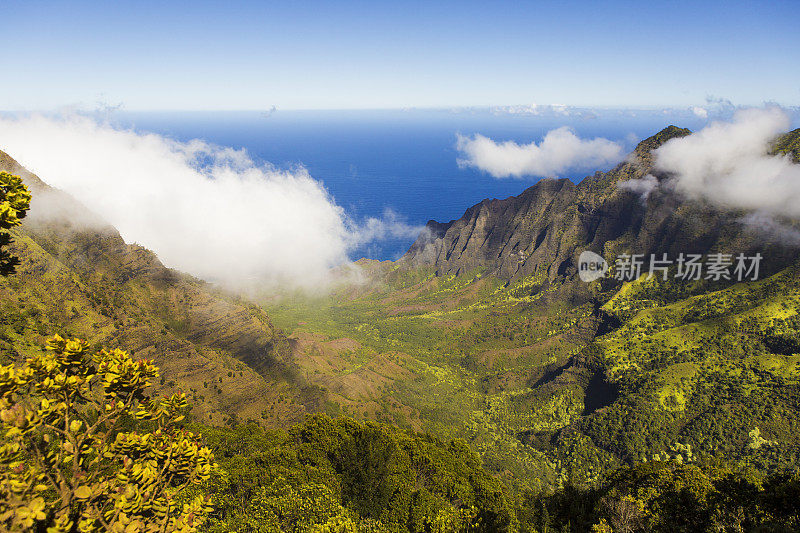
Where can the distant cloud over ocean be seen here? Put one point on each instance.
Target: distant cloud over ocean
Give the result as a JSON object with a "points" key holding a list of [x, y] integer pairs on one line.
{"points": [[559, 151]]}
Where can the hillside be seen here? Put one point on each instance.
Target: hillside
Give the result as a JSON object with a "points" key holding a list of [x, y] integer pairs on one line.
{"points": [[543, 230], [569, 394], [552, 379], [707, 371], [78, 277]]}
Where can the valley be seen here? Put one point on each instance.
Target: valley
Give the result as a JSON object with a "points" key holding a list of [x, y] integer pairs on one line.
{"points": [[400, 267], [553, 380], [482, 340]]}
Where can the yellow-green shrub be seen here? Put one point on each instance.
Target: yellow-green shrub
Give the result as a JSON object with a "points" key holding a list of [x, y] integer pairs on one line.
{"points": [[66, 462], [15, 199]]}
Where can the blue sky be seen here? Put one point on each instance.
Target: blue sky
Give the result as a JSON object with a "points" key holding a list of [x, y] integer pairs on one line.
{"points": [[352, 54]]}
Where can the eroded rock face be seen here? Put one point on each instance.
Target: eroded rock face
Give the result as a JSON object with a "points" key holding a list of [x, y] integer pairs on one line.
{"points": [[543, 230]]}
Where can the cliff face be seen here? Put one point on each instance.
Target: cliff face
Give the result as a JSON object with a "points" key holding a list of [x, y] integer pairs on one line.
{"points": [[78, 277], [544, 229]]}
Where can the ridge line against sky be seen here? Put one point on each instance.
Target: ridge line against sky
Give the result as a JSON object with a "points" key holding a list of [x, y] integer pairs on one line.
{"points": [[368, 55]]}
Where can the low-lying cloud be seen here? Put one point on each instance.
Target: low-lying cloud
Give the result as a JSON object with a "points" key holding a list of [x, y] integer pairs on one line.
{"points": [[204, 209], [390, 226], [559, 151], [772, 230], [643, 187], [728, 164]]}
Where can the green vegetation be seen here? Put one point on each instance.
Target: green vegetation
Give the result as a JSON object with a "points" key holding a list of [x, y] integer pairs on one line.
{"points": [[15, 199], [696, 387], [670, 496], [463, 401], [705, 371], [83, 449], [457, 357], [68, 464], [525, 382], [789, 144], [341, 475]]}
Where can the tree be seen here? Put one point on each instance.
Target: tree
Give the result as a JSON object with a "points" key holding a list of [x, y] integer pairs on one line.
{"points": [[14, 203], [67, 462]]}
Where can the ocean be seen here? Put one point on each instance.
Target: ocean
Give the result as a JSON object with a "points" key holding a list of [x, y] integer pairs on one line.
{"points": [[403, 160]]}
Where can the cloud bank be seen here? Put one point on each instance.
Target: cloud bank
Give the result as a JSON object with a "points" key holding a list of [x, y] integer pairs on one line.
{"points": [[204, 209], [560, 150], [728, 164]]}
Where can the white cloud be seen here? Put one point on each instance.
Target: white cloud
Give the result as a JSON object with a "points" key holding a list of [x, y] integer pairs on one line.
{"points": [[203, 209], [643, 187], [390, 226], [559, 151], [701, 112], [773, 230], [727, 164]]}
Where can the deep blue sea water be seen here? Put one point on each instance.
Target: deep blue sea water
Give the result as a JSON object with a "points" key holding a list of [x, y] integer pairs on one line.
{"points": [[405, 161]]}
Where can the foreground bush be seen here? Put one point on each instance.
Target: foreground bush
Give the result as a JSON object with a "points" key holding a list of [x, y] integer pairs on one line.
{"points": [[66, 464], [15, 199]]}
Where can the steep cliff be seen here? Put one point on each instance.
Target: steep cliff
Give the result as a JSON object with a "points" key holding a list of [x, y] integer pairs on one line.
{"points": [[543, 230]]}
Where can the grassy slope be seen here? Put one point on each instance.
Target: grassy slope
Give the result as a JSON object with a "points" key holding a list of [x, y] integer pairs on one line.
{"points": [[456, 356], [708, 369], [517, 376]]}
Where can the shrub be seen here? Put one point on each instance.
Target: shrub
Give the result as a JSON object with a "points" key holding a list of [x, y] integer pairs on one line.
{"points": [[67, 460], [14, 203]]}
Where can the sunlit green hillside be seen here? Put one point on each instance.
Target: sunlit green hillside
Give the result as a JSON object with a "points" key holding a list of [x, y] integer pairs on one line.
{"points": [[489, 398], [536, 386]]}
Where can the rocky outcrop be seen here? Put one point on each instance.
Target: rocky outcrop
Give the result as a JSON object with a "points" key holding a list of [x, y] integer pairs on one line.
{"points": [[543, 230]]}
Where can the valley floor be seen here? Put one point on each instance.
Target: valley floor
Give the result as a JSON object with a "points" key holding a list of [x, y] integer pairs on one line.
{"points": [[546, 392]]}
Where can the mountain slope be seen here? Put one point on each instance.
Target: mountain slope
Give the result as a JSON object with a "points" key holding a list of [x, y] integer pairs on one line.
{"points": [[716, 371], [552, 379], [78, 277], [543, 230]]}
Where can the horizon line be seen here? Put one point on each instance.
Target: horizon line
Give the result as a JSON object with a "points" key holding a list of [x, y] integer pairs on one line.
{"points": [[120, 108]]}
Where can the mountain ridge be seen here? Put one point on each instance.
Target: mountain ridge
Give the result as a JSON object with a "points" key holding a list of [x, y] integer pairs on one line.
{"points": [[543, 230]]}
